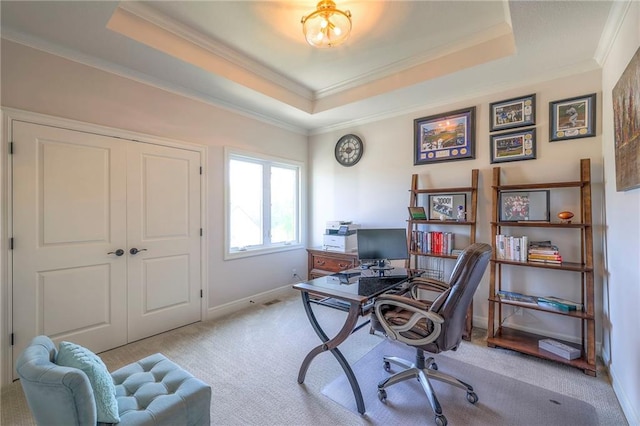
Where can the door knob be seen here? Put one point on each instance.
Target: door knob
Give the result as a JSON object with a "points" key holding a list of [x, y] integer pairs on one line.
{"points": [[135, 250], [118, 252]]}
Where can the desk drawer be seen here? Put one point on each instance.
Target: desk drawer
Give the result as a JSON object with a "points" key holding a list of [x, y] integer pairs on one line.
{"points": [[323, 262], [327, 263]]}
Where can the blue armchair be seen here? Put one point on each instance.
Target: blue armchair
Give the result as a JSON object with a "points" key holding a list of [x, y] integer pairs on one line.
{"points": [[152, 391]]}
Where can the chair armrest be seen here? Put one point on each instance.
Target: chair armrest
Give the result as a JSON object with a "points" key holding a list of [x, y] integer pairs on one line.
{"points": [[429, 284], [419, 311]]}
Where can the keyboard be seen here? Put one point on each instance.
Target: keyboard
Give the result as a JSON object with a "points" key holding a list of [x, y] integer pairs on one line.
{"points": [[371, 286]]}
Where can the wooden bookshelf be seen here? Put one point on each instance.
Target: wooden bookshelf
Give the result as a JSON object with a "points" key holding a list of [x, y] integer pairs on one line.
{"points": [[504, 336], [468, 226]]}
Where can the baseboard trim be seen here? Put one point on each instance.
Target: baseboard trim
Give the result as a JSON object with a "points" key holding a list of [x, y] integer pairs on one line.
{"points": [[247, 302], [629, 410]]}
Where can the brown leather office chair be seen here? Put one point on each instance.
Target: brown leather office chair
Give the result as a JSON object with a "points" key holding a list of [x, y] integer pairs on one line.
{"points": [[431, 326]]}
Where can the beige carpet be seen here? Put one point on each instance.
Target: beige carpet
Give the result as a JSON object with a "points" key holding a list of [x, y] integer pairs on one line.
{"points": [[252, 358], [503, 401]]}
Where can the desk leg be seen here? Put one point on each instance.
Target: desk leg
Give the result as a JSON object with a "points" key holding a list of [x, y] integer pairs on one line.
{"points": [[332, 346]]}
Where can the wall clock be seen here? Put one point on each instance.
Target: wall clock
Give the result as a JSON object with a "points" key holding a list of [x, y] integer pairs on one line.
{"points": [[349, 150]]}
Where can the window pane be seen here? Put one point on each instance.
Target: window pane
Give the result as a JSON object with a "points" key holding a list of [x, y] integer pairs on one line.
{"points": [[284, 195], [245, 203]]}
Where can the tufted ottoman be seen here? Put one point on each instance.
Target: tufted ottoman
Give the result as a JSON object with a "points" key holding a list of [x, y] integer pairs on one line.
{"points": [[155, 390]]}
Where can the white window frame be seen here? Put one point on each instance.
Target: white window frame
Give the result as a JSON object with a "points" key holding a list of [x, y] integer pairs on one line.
{"points": [[267, 247]]}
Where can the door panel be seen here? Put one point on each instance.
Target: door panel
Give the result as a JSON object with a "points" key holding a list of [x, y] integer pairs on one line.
{"points": [[69, 211], [163, 219], [74, 299]]}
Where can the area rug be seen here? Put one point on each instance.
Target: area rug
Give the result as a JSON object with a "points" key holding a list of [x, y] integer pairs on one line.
{"points": [[502, 400]]}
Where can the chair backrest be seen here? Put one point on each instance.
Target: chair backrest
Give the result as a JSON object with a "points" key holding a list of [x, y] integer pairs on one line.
{"points": [[55, 394], [453, 304]]}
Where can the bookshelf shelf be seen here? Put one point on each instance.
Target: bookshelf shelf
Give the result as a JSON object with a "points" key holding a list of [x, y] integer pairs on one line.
{"points": [[533, 224], [466, 227], [575, 314], [500, 334], [528, 343]]}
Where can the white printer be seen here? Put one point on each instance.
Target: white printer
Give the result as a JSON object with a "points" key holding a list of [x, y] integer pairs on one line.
{"points": [[340, 236]]}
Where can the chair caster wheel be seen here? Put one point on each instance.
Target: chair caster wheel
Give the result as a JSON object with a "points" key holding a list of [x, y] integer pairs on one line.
{"points": [[387, 366], [441, 420], [472, 397], [382, 395]]}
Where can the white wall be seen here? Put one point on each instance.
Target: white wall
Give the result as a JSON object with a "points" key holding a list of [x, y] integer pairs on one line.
{"points": [[622, 276], [374, 192]]}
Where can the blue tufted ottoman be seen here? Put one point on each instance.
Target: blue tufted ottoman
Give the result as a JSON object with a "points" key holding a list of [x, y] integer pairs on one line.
{"points": [[154, 390]]}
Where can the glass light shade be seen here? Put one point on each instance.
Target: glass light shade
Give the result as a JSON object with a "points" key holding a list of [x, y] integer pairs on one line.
{"points": [[327, 26]]}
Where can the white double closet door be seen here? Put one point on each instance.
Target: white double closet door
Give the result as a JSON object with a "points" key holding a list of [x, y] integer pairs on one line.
{"points": [[83, 204]]}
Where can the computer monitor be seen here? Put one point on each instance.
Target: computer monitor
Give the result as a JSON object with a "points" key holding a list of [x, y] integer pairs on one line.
{"points": [[377, 245]]}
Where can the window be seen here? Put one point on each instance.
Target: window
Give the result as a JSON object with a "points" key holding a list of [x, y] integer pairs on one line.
{"points": [[263, 206]]}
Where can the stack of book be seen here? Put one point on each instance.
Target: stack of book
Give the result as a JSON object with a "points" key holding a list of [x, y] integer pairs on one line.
{"points": [[559, 304], [544, 252], [559, 348]]}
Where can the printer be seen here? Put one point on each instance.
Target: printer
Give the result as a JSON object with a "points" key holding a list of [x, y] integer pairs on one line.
{"points": [[340, 236]]}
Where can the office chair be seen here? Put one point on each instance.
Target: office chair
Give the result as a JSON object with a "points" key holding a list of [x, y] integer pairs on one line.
{"points": [[432, 326]]}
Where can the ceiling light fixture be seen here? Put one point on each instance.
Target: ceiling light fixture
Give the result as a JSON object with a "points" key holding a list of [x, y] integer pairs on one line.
{"points": [[327, 26]]}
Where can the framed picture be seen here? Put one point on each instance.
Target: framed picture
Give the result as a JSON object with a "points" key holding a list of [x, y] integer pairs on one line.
{"points": [[513, 146], [522, 206], [626, 128], [446, 206], [516, 112], [445, 137], [417, 213], [572, 118]]}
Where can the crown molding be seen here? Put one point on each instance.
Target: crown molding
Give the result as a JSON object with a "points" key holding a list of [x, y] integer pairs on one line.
{"points": [[214, 47], [614, 22]]}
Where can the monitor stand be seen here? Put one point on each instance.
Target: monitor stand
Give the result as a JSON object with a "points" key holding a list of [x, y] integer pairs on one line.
{"points": [[381, 266]]}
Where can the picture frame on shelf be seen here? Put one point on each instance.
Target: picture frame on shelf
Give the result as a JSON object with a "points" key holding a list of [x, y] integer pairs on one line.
{"points": [[626, 131], [417, 213], [512, 113], [513, 146], [446, 206], [524, 206], [572, 118], [445, 137]]}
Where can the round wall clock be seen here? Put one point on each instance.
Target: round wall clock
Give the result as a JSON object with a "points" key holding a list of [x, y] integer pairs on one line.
{"points": [[349, 150]]}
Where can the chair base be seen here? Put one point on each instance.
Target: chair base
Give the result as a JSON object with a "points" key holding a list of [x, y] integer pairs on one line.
{"points": [[424, 370]]}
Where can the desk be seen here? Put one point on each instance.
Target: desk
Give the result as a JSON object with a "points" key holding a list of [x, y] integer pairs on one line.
{"points": [[355, 295]]}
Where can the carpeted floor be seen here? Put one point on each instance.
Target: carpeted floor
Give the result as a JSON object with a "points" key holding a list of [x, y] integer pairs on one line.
{"points": [[252, 358], [502, 400]]}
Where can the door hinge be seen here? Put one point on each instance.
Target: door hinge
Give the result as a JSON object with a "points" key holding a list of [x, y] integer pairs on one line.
{"points": [[11, 243], [10, 148], [12, 338], [201, 232], [201, 294], [200, 169]]}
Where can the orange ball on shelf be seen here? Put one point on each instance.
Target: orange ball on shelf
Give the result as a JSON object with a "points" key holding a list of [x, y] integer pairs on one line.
{"points": [[565, 216]]}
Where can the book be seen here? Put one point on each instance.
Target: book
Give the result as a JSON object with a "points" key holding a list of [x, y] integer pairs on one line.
{"points": [[555, 262], [555, 305], [537, 256], [559, 348], [542, 244], [557, 300], [534, 256], [513, 296]]}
